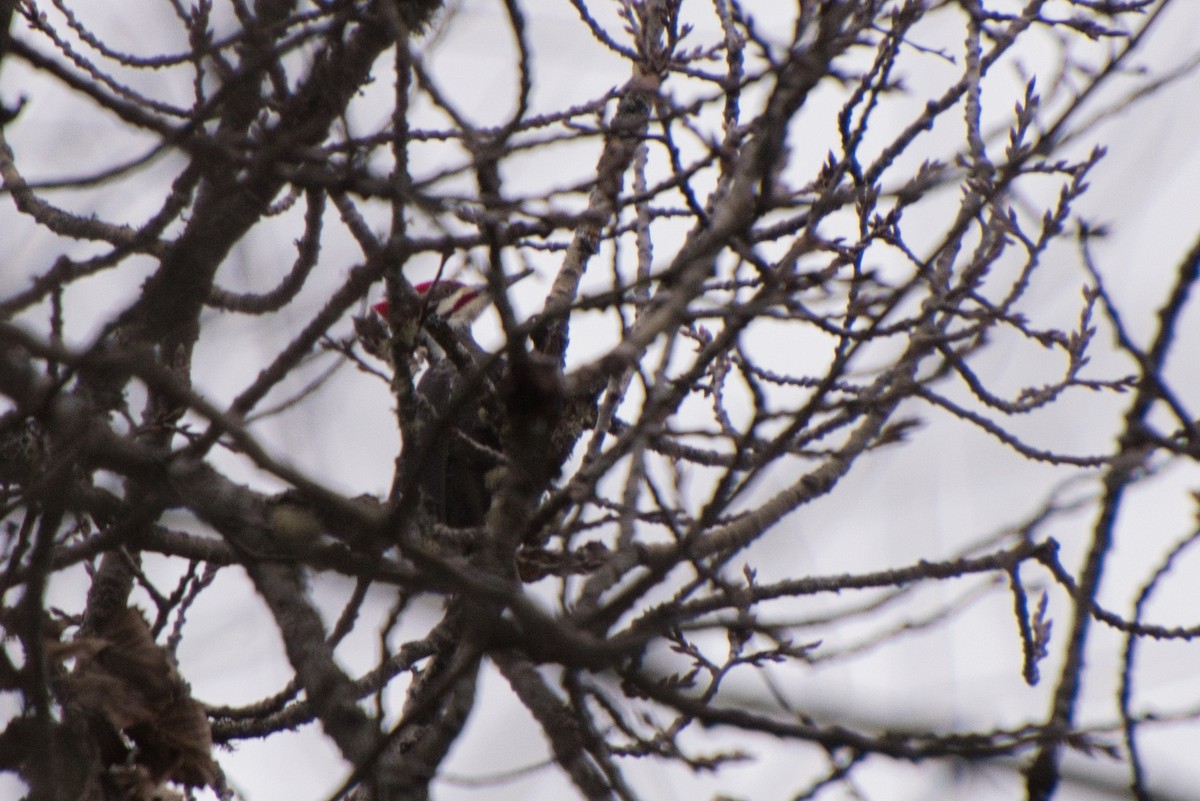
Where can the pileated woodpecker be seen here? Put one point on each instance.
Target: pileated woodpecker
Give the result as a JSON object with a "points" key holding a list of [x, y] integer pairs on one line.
{"points": [[453, 455], [451, 447]]}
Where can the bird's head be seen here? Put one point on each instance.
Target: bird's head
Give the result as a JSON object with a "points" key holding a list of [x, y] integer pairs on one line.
{"points": [[455, 303]]}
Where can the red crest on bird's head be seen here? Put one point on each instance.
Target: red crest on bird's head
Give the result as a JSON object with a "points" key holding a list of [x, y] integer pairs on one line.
{"points": [[453, 301]]}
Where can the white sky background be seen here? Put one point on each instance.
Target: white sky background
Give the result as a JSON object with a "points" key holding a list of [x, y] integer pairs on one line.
{"points": [[948, 487]]}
